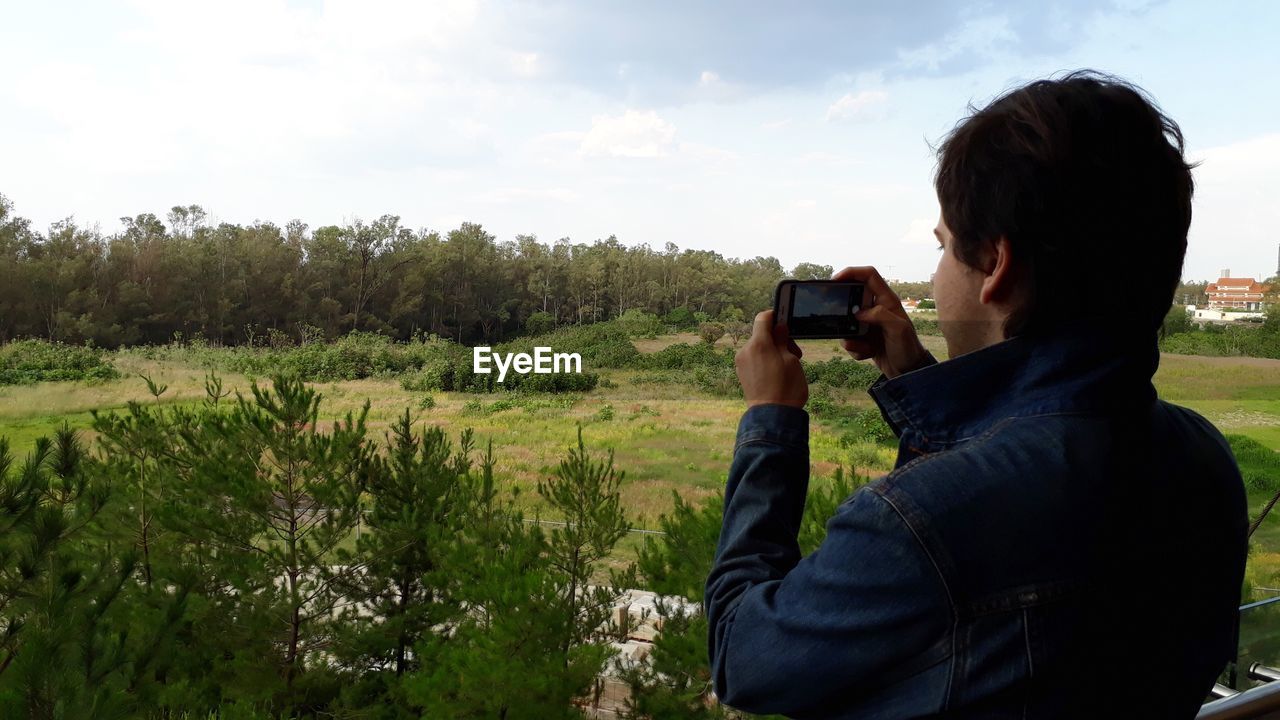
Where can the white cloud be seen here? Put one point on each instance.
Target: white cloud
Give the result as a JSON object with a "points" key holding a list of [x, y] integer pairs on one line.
{"points": [[867, 104], [525, 64], [920, 232], [1234, 213], [632, 134]]}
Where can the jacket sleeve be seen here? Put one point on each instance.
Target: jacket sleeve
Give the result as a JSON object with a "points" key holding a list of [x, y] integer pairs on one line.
{"points": [[794, 636]]}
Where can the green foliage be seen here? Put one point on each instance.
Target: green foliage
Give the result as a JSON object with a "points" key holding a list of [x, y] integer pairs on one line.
{"points": [[1177, 320], [539, 323], [418, 491], [680, 318], [841, 373], [31, 361], [710, 332], [638, 323], [1259, 464], [1232, 340], [925, 326], [686, 356], [927, 304]]}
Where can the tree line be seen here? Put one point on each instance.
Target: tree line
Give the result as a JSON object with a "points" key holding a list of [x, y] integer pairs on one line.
{"points": [[232, 284]]}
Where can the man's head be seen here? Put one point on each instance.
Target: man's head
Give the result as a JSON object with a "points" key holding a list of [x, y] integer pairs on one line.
{"points": [[1060, 199]]}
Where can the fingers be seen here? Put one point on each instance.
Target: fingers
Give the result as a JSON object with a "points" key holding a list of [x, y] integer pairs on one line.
{"points": [[860, 349], [879, 316], [869, 275]]}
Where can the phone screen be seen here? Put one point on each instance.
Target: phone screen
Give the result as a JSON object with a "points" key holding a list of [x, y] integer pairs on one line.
{"points": [[821, 309]]}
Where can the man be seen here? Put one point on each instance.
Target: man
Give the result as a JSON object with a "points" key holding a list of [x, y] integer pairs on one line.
{"points": [[1054, 540]]}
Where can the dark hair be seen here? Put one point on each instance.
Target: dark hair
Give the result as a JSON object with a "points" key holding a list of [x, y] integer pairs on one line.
{"points": [[1085, 176]]}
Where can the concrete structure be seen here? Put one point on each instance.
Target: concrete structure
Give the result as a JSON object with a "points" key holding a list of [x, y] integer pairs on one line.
{"points": [[637, 612]]}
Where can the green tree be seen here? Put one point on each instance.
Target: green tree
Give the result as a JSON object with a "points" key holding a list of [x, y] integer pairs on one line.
{"points": [[276, 496], [417, 499]]}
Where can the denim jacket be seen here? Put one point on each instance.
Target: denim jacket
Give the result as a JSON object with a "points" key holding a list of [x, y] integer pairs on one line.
{"points": [[1053, 542]]}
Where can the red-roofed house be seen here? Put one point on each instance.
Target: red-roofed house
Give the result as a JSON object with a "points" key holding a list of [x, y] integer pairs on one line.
{"points": [[1229, 292]]}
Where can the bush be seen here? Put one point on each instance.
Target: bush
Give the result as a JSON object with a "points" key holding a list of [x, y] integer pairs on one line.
{"points": [[31, 361], [710, 332], [842, 373], [1177, 320], [684, 356], [925, 326], [679, 318], [1234, 340], [1259, 465], [638, 323], [717, 381], [870, 423], [539, 323], [601, 345]]}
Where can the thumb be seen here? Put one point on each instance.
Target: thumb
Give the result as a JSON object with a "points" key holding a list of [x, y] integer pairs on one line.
{"points": [[874, 315], [762, 327]]}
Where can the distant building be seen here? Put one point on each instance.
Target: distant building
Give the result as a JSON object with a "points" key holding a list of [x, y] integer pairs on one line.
{"points": [[1229, 292]]}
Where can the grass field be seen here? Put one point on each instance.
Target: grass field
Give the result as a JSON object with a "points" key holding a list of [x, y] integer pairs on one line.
{"points": [[665, 436]]}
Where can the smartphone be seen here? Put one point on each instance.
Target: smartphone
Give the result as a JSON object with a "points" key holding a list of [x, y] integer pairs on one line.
{"points": [[815, 309]]}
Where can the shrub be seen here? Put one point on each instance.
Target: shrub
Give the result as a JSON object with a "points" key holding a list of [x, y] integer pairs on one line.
{"points": [[685, 356], [1259, 465], [710, 332], [870, 423], [717, 381], [539, 323], [679, 318], [839, 372], [638, 323], [925, 326], [31, 361]]}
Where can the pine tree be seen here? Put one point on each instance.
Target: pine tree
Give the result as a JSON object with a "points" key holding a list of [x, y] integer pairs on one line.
{"points": [[399, 596], [276, 496]]}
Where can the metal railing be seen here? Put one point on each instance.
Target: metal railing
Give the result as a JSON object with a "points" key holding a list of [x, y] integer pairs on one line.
{"points": [[1257, 644]]}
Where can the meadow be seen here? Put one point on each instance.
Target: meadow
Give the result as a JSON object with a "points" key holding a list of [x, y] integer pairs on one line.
{"points": [[667, 434]]}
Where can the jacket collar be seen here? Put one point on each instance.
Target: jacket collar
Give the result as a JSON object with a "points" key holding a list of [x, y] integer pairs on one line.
{"points": [[1079, 367]]}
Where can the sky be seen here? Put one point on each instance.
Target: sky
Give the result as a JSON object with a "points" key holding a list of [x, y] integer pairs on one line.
{"points": [[801, 131]]}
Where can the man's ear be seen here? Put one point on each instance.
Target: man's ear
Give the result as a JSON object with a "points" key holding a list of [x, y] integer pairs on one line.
{"points": [[1000, 283]]}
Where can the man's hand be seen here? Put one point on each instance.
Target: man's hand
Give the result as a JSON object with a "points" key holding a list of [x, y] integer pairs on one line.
{"points": [[891, 340], [769, 366]]}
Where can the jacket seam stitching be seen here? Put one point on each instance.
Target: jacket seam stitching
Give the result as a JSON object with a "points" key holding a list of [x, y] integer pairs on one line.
{"points": [[769, 441], [946, 587], [986, 435], [1031, 668]]}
